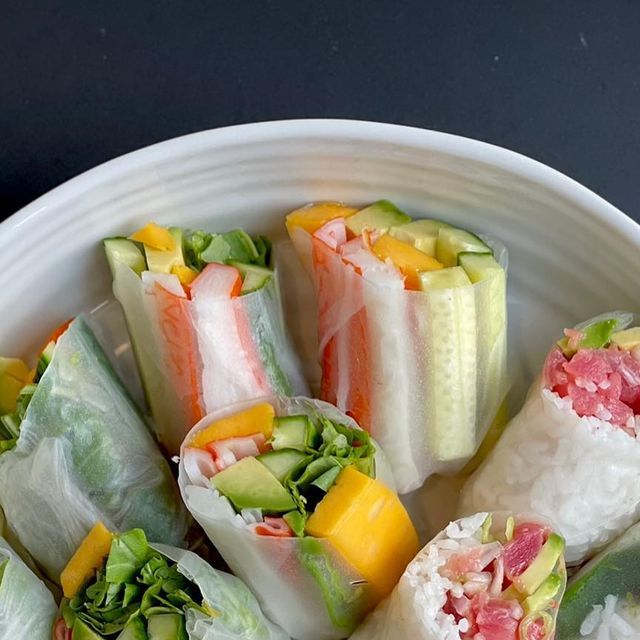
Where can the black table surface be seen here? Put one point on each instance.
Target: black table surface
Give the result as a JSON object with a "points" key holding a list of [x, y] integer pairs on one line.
{"points": [[83, 81]]}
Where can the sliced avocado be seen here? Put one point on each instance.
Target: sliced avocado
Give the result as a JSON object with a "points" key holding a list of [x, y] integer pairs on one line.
{"points": [[627, 339], [167, 626], [541, 567], [443, 279], [380, 215], [509, 528], [423, 234], [296, 522], [281, 462], [164, 261], [235, 245], [125, 251], [134, 630], [486, 529], [254, 277], [453, 241], [82, 631], [248, 484], [295, 432], [479, 266], [551, 588], [595, 336]]}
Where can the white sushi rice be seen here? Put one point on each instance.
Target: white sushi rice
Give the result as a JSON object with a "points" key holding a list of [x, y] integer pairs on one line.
{"points": [[414, 609], [616, 620], [582, 474]]}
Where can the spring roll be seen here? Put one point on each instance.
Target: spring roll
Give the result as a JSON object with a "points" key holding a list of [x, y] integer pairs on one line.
{"points": [[411, 328], [297, 500], [602, 601], [122, 587], [572, 453], [485, 577], [76, 450], [27, 608], [203, 311]]}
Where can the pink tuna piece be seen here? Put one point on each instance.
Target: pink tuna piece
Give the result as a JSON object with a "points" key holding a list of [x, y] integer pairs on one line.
{"points": [[498, 620], [520, 552]]}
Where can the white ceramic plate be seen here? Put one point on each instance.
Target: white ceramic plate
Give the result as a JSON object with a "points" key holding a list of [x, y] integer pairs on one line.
{"points": [[572, 255]]}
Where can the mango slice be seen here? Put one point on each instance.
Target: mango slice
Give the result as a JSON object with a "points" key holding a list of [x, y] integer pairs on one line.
{"points": [[256, 419], [186, 275], [87, 559], [14, 374], [313, 216], [154, 236], [366, 523], [407, 258]]}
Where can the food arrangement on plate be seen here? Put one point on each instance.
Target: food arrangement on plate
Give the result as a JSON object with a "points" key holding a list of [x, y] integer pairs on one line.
{"points": [[120, 511]]}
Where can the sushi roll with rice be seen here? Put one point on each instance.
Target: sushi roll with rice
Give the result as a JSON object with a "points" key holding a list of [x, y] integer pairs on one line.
{"points": [[572, 454]]}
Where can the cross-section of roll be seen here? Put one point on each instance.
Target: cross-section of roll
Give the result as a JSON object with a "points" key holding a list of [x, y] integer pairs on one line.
{"points": [[293, 495], [27, 608], [76, 450], [485, 577], [602, 601], [572, 454], [121, 587], [412, 330], [205, 320]]}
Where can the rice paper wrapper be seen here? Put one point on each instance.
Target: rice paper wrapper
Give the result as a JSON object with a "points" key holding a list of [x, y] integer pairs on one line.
{"points": [[239, 614], [387, 359], [27, 608], [84, 454], [603, 599], [302, 584], [415, 607], [196, 356], [580, 473]]}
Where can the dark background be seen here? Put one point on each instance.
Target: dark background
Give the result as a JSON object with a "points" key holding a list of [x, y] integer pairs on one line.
{"points": [[84, 81]]}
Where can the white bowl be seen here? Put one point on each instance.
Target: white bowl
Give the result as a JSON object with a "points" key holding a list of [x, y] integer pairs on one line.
{"points": [[572, 255]]}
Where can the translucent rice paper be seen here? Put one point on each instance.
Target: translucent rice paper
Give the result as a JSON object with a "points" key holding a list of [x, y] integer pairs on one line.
{"points": [[197, 356], [404, 362], [84, 454], [27, 608], [239, 614], [302, 584], [580, 473], [605, 594], [415, 607]]}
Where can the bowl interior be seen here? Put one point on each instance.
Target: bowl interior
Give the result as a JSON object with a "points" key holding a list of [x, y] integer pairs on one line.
{"points": [[571, 255]]}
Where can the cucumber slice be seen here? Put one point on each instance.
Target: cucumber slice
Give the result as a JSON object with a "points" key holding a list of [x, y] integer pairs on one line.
{"points": [[254, 277], [282, 461], [124, 251], [444, 279], [448, 325], [491, 304], [294, 432], [422, 234], [452, 241]]}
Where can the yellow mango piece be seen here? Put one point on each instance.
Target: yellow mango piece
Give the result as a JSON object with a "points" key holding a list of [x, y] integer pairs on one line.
{"points": [[367, 524], [315, 215], [407, 258], [186, 275], [256, 419], [154, 236], [87, 559], [14, 374]]}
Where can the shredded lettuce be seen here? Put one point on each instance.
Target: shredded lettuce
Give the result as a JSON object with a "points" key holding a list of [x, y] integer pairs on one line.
{"points": [[135, 584]]}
